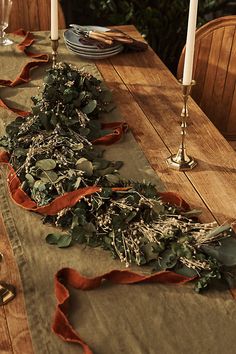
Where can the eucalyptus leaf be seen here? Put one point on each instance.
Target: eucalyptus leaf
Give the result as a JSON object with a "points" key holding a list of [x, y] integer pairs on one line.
{"points": [[78, 234], [84, 131], [106, 193], [185, 271], [85, 165], [64, 241], [75, 221], [95, 124], [168, 259], [100, 164], [49, 176], [218, 230], [118, 164], [36, 110], [45, 121], [30, 179], [107, 241], [69, 95], [53, 238], [53, 119], [150, 251], [113, 178], [20, 152], [39, 185], [46, 164], [77, 102], [225, 252], [89, 228], [82, 95], [90, 107], [4, 142]]}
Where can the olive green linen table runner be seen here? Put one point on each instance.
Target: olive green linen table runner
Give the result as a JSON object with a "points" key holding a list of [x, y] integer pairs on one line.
{"points": [[137, 319]]}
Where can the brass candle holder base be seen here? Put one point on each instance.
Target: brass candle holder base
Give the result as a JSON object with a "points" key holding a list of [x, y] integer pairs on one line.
{"points": [[181, 161], [54, 45]]}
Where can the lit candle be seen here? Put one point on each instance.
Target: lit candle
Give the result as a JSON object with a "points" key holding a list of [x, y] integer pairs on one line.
{"points": [[54, 19], [190, 42]]}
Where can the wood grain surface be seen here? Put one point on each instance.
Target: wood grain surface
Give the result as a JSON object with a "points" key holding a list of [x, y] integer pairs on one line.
{"points": [[150, 100]]}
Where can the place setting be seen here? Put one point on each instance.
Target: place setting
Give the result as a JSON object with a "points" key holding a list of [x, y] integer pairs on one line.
{"points": [[96, 42]]}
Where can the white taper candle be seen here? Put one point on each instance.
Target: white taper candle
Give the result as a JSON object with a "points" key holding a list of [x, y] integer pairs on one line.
{"points": [[190, 43], [54, 19]]}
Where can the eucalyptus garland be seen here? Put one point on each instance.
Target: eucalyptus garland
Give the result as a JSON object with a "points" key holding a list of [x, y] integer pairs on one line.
{"points": [[52, 153]]}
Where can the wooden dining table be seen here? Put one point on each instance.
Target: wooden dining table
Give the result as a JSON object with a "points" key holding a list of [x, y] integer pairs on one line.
{"points": [[150, 101]]}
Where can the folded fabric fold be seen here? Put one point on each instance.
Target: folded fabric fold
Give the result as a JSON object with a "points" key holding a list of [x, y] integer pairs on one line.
{"points": [[38, 59]]}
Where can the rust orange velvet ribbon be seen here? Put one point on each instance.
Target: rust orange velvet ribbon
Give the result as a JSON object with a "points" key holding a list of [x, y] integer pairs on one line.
{"points": [[70, 277], [14, 110], [38, 59]]}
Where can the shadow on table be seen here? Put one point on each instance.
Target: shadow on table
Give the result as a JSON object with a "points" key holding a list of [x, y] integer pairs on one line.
{"points": [[207, 166]]}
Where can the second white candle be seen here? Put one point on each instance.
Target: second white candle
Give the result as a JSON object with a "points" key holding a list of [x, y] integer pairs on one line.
{"points": [[190, 42]]}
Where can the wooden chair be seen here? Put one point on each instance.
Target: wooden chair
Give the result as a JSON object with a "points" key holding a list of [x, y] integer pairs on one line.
{"points": [[33, 15], [215, 73]]}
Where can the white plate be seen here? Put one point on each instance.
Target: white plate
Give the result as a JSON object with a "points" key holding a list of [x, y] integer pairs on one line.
{"points": [[74, 39], [80, 50], [95, 50], [94, 55]]}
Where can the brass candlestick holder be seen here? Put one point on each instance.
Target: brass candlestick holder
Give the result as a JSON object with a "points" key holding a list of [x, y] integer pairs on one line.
{"points": [[181, 161], [55, 45]]}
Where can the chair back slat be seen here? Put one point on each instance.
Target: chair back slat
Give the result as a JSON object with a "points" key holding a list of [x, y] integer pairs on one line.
{"points": [[231, 120], [208, 91], [227, 82], [200, 71], [215, 73], [33, 15]]}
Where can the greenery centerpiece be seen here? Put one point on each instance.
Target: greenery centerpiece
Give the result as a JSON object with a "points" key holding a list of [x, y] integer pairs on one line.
{"points": [[53, 153]]}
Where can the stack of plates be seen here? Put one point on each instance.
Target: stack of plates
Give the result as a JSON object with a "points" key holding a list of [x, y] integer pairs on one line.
{"points": [[91, 51]]}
